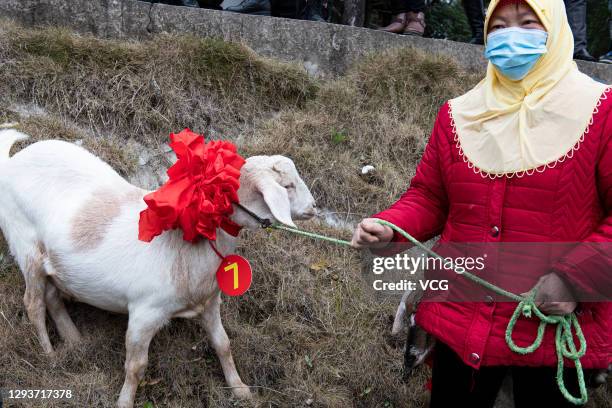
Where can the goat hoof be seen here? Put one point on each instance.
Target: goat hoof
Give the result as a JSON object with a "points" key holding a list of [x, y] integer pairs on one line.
{"points": [[242, 392], [125, 404]]}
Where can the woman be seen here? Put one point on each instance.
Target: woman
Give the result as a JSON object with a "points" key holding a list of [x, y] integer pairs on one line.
{"points": [[525, 156]]}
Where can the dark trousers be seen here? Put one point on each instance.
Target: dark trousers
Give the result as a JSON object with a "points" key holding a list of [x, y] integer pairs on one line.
{"points": [[576, 15], [402, 6], [475, 13], [610, 21], [455, 384]]}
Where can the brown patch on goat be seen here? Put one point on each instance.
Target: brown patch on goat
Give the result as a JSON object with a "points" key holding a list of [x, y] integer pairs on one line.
{"points": [[33, 263], [34, 297], [194, 293], [95, 216], [33, 267], [34, 277], [181, 278]]}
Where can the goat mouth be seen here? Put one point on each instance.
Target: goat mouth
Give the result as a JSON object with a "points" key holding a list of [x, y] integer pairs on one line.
{"points": [[305, 216]]}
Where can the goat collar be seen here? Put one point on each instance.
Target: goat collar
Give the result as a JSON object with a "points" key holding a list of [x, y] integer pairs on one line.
{"points": [[214, 248], [263, 222]]}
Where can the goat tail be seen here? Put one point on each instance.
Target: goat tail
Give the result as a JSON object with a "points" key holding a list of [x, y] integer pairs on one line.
{"points": [[8, 137]]}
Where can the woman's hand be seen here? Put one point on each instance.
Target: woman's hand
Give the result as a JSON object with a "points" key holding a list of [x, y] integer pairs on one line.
{"points": [[550, 290], [369, 233]]}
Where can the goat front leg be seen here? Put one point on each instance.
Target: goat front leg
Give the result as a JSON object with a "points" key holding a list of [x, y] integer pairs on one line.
{"points": [[142, 326], [221, 344]]}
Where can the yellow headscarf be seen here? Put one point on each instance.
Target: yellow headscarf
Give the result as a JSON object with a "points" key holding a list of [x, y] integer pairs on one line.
{"points": [[506, 127]]}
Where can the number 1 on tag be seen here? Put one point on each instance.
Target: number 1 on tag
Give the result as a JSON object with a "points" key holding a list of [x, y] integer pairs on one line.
{"points": [[234, 267]]}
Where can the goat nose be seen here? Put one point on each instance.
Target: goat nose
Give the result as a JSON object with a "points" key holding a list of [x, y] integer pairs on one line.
{"points": [[310, 212]]}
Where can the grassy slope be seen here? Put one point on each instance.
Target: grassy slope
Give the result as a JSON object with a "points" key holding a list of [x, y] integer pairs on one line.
{"points": [[308, 332]]}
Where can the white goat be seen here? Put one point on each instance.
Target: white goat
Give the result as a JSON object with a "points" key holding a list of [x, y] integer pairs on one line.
{"points": [[71, 223]]}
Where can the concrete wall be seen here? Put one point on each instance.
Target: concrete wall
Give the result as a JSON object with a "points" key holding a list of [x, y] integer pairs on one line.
{"points": [[322, 48]]}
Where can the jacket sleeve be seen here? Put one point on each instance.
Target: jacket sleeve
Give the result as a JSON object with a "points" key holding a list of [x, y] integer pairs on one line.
{"points": [[422, 209], [588, 267]]}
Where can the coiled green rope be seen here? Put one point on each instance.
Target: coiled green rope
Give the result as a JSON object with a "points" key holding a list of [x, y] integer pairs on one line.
{"points": [[564, 338]]}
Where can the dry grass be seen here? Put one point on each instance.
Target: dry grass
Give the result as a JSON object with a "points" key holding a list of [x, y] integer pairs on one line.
{"points": [[110, 149], [308, 333], [380, 113], [145, 89]]}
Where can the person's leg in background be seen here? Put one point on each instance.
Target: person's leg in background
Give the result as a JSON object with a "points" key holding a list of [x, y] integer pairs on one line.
{"points": [[398, 22], [314, 10], [607, 58], [576, 14], [257, 7], [530, 385], [415, 18], [409, 17], [455, 384], [475, 12]]}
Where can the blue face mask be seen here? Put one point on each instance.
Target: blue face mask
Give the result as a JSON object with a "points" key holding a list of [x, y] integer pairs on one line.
{"points": [[514, 51]]}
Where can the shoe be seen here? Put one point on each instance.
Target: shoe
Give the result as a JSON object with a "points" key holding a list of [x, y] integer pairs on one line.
{"points": [[259, 7], [606, 58], [584, 55], [474, 11], [415, 24], [397, 25]]}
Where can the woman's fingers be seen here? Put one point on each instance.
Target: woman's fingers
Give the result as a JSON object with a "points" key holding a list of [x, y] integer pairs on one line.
{"points": [[552, 308], [368, 238], [362, 238], [357, 242], [370, 233], [553, 297], [373, 228], [557, 308]]}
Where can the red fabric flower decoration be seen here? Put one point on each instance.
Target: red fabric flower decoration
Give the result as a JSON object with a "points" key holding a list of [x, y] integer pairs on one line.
{"points": [[198, 196]]}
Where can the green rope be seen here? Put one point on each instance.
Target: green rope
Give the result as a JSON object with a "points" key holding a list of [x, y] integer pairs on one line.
{"points": [[564, 338]]}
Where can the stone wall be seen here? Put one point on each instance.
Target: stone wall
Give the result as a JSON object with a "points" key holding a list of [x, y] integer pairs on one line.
{"points": [[323, 48]]}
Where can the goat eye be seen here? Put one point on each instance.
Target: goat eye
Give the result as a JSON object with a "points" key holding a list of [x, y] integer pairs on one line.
{"points": [[289, 186]]}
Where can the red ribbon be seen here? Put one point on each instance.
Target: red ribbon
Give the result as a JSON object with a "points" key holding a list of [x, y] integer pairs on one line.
{"points": [[198, 196]]}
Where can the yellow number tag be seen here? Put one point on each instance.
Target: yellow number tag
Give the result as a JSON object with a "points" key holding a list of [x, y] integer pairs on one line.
{"points": [[238, 282]]}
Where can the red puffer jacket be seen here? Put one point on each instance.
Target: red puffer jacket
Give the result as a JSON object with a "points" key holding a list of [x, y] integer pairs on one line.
{"points": [[570, 202]]}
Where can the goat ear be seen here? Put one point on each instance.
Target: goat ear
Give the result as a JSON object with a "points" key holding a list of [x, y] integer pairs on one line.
{"points": [[277, 199]]}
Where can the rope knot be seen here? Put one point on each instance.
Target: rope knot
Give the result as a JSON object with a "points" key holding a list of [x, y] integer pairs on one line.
{"points": [[527, 309]]}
